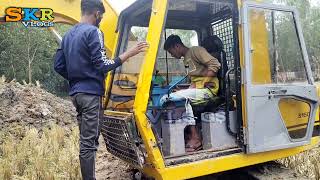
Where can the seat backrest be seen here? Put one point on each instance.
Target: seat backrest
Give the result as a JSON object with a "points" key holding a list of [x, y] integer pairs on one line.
{"points": [[214, 46]]}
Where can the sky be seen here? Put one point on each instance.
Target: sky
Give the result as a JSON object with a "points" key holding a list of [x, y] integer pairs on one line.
{"points": [[122, 4], [119, 5], [315, 2]]}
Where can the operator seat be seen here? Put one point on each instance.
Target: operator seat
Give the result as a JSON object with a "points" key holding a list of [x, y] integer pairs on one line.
{"points": [[214, 46], [173, 132]]}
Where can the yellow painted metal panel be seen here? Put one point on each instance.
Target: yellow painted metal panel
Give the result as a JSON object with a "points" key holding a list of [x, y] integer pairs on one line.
{"points": [[108, 26], [295, 114], [159, 8], [261, 73], [229, 162], [224, 163], [318, 110], [69, 12], [242, 65], [116, 113]]}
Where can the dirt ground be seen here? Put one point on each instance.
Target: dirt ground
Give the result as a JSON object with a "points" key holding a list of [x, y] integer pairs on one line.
{"points": [[28, 106], [110, 167], [25, 106]]}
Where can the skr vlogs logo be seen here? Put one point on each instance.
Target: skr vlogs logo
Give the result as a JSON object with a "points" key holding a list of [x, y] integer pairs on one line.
{"points": [[30, 17]]}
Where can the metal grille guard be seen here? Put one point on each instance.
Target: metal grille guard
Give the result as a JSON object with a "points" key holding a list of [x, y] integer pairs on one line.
{"points": [[120, 135]]}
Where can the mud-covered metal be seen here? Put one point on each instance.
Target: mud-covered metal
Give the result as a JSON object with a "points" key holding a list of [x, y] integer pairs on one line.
{"points": [[120, 135]]}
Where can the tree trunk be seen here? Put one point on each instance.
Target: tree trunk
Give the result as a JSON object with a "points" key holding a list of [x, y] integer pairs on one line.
{"points": [[14, 71], [29, 72], [30, 59], [13, 68], [29, 62]]}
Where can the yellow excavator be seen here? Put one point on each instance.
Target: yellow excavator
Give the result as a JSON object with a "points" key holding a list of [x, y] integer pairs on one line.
{"points": [[267, 107]]}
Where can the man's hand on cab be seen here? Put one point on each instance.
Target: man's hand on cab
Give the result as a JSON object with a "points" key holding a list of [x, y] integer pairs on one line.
{"points": [[138, 48]]}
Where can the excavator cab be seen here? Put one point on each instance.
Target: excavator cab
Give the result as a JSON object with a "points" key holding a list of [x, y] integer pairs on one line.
{"points": [[266, 107]]}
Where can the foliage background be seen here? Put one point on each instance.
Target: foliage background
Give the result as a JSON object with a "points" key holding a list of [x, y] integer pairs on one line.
{"points": [[20, 46], [26, 54]]}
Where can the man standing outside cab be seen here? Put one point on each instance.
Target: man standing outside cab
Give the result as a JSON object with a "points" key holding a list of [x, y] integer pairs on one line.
{"points": [[81, 59]]}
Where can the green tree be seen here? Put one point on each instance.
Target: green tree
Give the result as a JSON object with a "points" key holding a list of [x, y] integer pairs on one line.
{"points": [[27, 54], [310, 22]]}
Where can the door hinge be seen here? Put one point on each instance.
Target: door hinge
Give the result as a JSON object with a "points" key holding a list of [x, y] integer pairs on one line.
{"points": [[244, 136], [243, 76]]}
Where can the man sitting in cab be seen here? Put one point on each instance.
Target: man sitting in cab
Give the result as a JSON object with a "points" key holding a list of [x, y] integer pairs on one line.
{"points": [[203, 69]]}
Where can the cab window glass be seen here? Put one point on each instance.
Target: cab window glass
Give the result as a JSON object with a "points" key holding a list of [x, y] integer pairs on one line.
{"points": [[126, 77], [165, 62], [134, 64], [275, 48]]}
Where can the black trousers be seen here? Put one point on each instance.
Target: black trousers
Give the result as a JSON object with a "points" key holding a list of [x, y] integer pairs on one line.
{"points": [[89, 111]]}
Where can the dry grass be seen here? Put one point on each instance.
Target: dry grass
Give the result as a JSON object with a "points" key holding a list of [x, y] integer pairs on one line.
{"points": [[306, 163], [53, 154], [31, 151], [48, 155]]}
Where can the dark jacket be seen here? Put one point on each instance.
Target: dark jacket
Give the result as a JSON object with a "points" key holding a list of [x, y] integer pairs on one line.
{"points": [[82, 60]]}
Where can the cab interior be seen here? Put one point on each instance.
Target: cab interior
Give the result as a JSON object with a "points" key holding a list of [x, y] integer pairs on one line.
{"points": [[195, 22]]}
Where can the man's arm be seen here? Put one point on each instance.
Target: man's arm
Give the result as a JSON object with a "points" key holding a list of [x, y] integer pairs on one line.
{"points": [[209, 61], [60, 63], [210, 73], [98, 53]]}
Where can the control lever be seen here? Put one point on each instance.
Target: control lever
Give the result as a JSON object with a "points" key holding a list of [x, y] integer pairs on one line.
{"points": [[175, 84]]}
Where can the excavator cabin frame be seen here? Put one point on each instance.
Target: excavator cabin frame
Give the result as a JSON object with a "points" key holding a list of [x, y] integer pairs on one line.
{"points": [[273, 118], [131, 93]]}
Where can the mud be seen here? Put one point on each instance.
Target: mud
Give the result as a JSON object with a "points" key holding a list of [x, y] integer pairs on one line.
{"points": [[28, 106]]}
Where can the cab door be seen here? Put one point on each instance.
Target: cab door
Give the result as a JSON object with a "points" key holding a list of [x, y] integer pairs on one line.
{"points": [[128, 135], [280, 95]]}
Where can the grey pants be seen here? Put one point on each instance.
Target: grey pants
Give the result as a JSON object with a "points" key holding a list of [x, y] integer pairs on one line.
{"points": [[89, 112]]}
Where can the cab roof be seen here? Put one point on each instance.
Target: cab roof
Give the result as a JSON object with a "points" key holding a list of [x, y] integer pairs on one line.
{"points": [[182, 14]]}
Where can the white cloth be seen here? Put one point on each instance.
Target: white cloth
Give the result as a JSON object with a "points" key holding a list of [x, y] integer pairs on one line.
{"points": [[194, 95]]}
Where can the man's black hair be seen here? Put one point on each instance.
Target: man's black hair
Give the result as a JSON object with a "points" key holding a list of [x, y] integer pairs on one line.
{"points": [[90, 6], [171, 41]]}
